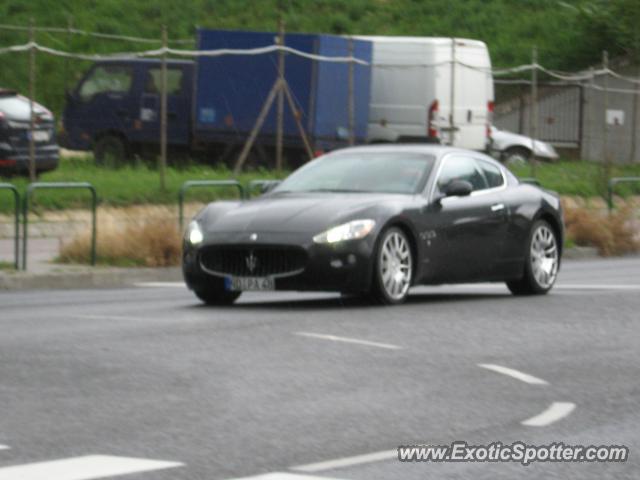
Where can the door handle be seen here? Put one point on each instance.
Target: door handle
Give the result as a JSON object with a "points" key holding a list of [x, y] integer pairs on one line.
{"points": [[497, 207]]}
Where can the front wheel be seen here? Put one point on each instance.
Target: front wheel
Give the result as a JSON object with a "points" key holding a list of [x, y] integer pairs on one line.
{"points": [[216, 296], [516, 156], [393, 268], [541, 263], [110, 151]]}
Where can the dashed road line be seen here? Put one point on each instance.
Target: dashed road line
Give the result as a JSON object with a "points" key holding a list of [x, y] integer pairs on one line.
{"points": [[555, 412], [5, 447], [356, 341], [347, 461], [284, 476], [83, 468], [106, 317], [523, 377]]}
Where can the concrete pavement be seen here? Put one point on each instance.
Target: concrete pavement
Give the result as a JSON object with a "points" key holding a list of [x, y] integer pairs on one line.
{"points": [[290, 380]]}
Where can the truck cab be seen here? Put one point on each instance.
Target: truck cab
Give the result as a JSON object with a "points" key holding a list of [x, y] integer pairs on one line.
{"points": [[115, 108]]}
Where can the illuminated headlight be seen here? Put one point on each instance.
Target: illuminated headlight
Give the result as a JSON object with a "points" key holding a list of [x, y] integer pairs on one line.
{"points": [[194, 233], [347, 231]]}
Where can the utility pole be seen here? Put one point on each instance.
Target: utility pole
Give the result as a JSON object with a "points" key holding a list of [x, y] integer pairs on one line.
{"points": [[280, 107], [607, 154], [32, 94], [352, 105], [533, 127], [452, 108], [163, 112]]}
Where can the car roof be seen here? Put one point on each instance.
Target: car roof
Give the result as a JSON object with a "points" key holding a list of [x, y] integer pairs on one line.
{"points": [[431, 149]]}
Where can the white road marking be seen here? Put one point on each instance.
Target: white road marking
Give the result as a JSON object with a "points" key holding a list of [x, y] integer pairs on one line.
{"points": [[523, 377], [284, 476], [106, 317], [83, 468], [4, 447], [555, 412], [334, 338], [347, 461], [579, 286], [161, 285]]}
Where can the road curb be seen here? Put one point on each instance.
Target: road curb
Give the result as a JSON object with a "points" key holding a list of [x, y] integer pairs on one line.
{"points": [[87, 278]]}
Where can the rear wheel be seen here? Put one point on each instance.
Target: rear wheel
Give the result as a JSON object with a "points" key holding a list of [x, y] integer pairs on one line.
{"points": [[393, 268], [541, 263]]}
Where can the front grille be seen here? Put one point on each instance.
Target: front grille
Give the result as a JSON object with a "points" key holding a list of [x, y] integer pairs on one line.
{"points": [[250, 261]]}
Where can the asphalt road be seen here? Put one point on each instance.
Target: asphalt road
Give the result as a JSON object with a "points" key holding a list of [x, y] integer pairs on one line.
{"points": [[287, 380]]}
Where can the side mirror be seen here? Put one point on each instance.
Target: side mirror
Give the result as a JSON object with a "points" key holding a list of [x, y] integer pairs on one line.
{"points": [[458, 188]]}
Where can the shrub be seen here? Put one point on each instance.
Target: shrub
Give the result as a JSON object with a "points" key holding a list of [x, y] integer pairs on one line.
{"points": [[611, 234], [151, 242]]}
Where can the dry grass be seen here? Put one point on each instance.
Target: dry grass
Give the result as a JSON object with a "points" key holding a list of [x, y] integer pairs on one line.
{"points": [[151, 241], [614, 234]]}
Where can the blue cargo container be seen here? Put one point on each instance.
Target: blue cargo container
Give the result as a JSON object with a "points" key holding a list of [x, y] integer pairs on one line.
{"points": [[115, 108], [231, 90]]}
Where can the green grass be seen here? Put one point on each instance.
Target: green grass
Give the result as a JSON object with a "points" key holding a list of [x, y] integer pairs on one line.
{"points": [[128, 185], [578, 178], [137, 186], [10, 266]]}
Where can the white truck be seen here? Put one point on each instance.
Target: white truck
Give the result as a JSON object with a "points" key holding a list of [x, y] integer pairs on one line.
{"points": [[415, 83]]}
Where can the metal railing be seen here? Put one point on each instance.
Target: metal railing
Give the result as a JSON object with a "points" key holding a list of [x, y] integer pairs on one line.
{"points": [[16, 200], [57, 186], [204, 183], [263, 185], [612, 185]]}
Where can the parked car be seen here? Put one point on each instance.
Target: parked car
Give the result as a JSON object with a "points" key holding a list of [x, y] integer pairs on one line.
{"points": [[15, 131], [376, 220], [513, 148]]}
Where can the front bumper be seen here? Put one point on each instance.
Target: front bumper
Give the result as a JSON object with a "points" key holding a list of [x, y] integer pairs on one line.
{"points": [[342, 267]]}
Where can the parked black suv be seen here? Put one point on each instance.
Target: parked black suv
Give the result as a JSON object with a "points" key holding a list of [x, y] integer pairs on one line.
{"points": [[15, 133]]}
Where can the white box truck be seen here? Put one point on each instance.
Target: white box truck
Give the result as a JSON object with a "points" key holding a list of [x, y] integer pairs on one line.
{"points": [[415, 83]]}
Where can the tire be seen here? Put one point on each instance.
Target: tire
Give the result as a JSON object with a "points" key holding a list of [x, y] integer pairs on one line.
{"points": [[516, 156], [110, 150], [217, 296], [393, 268], [542, 262]]}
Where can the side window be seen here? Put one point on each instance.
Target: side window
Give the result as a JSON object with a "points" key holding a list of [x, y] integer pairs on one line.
{"points": [[460, 168], [107, 79], [153, 82], [492, 173]]}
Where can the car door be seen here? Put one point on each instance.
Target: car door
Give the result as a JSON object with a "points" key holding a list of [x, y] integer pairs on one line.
{"points": [[467, 232], [103, 102], [178, 105]]}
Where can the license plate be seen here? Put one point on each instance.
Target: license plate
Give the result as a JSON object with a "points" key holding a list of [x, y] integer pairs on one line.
{"points": [[41, 136], [240, 284]]}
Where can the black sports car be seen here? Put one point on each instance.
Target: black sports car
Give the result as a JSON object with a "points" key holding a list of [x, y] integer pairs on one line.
{"points": [[376, 220]]}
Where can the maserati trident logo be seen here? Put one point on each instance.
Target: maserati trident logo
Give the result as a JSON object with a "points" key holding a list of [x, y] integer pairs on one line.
{"points": [[251, 261]]}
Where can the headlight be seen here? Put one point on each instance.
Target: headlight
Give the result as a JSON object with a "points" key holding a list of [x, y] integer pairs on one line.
{"points": [[353, 230], [194, 233]]}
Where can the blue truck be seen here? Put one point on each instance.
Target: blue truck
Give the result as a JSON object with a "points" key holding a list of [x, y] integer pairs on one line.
{"points": [[213, 102]]}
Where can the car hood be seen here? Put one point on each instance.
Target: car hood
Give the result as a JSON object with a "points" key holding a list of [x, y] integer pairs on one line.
{"points": [[299, 213]]}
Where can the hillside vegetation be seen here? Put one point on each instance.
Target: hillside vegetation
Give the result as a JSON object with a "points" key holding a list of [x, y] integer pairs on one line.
{"points": [[568, 34]]}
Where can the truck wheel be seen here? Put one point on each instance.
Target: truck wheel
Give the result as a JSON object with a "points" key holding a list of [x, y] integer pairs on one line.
{"points": [[110, 150], [516, 156]]}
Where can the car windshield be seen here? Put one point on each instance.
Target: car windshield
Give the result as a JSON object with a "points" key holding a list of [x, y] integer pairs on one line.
{"points": [[388, 172]]}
